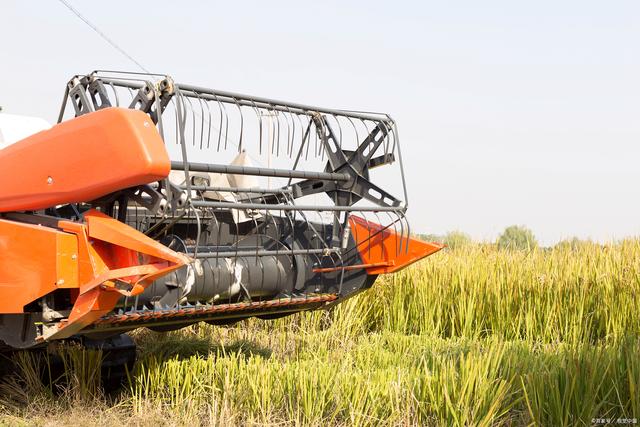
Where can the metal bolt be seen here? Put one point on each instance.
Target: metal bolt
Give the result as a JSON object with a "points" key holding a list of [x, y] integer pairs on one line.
{"points": [[49, 180], [74, 257], [60, 282], [146, 124]]}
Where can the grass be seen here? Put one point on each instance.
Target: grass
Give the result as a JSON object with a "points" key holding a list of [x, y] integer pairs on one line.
{"points": [[473, 336]]}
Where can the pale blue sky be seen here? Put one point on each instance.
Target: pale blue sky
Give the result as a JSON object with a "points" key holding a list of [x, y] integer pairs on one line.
{"points": [[509, 112]]}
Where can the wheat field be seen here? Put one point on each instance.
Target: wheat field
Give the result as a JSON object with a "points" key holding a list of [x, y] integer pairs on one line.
{"points": [[474, 336]]}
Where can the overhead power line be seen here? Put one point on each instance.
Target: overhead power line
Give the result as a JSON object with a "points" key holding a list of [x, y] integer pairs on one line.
{"points": [[103, 35]]}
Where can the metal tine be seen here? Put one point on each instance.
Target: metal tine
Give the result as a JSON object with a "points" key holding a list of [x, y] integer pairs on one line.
{"points": [[367, 132], [290, 136], [202, 120], [272, 130], [387, 139], [312, 134], [286, 115], [115, 94], [355, 129], [276, 134], [220, 124], [401, 219], [339, 131], [395, 229], [275, 147], [297, 117], [322, 147], [224, 118], [408, 232], [209, 123], [310, 123], [393, 133], [286, 122], [266, 112], [193, 120], [241, 125], [257, 111], [316, 153], [305, 138]]}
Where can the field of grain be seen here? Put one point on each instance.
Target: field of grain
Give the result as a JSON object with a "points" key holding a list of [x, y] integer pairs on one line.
{"points": [[471, 336]]}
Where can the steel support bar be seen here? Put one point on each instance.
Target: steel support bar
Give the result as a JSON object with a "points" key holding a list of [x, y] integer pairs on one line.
{"points": [[270, 207], [246, 170], [260, 102], [245, 253], [238, 189]]}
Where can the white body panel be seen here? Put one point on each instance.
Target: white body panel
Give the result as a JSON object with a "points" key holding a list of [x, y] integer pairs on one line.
{"points": [[13, 128]]}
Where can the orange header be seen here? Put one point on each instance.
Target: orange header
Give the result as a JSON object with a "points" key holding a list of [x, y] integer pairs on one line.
{"points": [[82, 159], [383, 250]]}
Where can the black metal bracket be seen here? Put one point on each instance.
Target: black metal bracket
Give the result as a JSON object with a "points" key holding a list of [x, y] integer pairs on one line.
{"points": [[88, 94], [355, 164]]}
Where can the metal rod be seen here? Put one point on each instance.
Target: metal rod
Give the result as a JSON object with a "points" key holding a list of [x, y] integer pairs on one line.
{"points": [[238, 189], [352, 267], [271, 207], [250, 253], [306, 109], [246, 170]]}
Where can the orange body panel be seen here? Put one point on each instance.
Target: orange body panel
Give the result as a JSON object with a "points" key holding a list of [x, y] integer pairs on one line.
{"points": [[384, 250], [101, 257], [110, 252], [34, 261], [82, 159]]}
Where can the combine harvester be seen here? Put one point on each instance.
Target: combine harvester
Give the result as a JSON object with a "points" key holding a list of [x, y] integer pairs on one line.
{"points": [[145, 207]]}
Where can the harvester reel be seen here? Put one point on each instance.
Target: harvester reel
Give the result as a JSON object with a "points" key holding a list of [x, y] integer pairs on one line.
{"points": [[158, 204]]}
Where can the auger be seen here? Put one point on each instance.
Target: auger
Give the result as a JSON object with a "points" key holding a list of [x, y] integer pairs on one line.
{"points": [[157, 204]]}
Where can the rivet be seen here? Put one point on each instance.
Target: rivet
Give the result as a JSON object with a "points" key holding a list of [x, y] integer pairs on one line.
{"points": [[49, 180]]}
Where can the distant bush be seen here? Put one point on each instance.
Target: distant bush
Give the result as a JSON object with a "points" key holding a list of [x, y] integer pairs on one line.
{"points": [[431, 237], [573, 244], [517, 237], [453, 239], [457, 239]]}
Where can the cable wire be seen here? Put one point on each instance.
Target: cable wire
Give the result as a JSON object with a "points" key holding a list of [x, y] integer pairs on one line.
{"points": [[103, 35]]}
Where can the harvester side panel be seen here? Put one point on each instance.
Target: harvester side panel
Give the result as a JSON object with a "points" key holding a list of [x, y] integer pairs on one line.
{"points": [[81, 160], [34, 261]]}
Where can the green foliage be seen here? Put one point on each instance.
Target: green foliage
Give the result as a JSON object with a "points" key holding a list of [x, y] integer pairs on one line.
{"points": [[517, 237], [573, 244], [453, 239], [477, 336], [430, 237], [457, 240]]}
